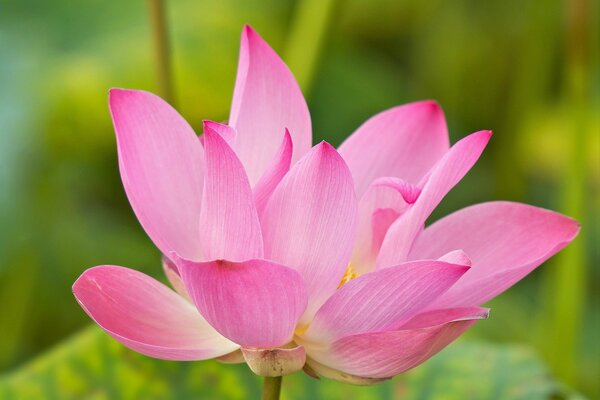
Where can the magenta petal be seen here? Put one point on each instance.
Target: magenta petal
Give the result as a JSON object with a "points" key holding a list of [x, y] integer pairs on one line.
{"points": [[273, 174], [388, 353], [151, 135], [266, 100], [382, 299], [146, 316], [254, 303], [505, 242], [443, 176], [383, 202], [404, 142], [229, 223], [309, 222]]}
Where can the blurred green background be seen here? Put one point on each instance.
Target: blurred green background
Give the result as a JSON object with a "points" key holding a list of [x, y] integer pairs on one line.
{"points": [[528, 69]]}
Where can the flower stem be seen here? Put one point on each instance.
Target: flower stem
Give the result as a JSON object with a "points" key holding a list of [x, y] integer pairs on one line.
{"points": [[162, 49], [271, 388]]}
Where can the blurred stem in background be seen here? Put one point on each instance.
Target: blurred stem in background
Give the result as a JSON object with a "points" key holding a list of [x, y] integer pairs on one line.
{"points": [[162, 49], [566, 287], [526, 92], [306, 38]]}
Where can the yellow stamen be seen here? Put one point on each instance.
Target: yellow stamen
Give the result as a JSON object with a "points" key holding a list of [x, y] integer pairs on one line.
{"points": [[348, 275]]}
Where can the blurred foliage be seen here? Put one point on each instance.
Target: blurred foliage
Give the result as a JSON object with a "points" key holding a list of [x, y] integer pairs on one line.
{"points": [[94, 366], [527, 69]]}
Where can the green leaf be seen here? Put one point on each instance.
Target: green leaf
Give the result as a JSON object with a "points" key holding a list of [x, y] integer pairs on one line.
{"points": [[92, 365]]}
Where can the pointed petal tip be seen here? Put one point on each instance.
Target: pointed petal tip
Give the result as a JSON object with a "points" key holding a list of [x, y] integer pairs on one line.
{"points": [[325, 147]]}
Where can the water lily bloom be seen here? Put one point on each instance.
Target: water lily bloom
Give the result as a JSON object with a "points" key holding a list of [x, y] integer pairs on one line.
{"points": [[288, 256]]}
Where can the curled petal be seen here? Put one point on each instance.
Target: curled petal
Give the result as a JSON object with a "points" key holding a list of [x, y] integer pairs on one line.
{"points": [[146, 316], [266, 101], [404, 142], [254, 303], [445, 174], [385, 200], [505, 241]]}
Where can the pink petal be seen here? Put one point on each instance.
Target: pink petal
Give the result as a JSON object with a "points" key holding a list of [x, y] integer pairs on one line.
{"points": [[378, 208], [404, 142], [254, 303], [388, 353], [160, 159], [229, 223], [279, 166], [266, 100], [505, 242], [444, 175], [382, 299], [172, 274], [146, 316], [226, 131], [456, 257], [309, 222]]}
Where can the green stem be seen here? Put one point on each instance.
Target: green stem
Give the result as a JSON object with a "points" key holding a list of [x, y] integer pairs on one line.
{"points": [[162, 49], [271, 388]]}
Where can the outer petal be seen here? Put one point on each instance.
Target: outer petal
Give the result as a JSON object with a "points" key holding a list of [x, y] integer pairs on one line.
{"points": [[381, 300], [275, 362], [309, 222], [385, 354], [146, 316], [273, 174], [405, 142], [504, 240], [378, 208], [229, 223], [444, 175], [266, 100], [160, 159], [255, 303]]}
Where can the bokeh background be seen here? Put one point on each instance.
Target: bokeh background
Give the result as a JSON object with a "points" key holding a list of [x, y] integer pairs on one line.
{"points": [[528, 69]]}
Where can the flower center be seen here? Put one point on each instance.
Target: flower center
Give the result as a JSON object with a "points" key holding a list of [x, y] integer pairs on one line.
{"points": [[348, 275]]}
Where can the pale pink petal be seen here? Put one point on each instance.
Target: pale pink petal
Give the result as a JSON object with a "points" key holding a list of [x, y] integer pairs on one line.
{"points": [[254, 303], [381, 300], [266, 100], [444, 175], [279, 166], [404, 142], [456, 257], [172, 274], [309, 222], [378, 208], [229, 225], [505, 242], [160, 159], [226, 131], [388, 353], [146, 316]]}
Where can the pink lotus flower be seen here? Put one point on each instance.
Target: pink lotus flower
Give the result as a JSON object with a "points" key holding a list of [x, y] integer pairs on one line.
{"points": [[288, 256]]}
